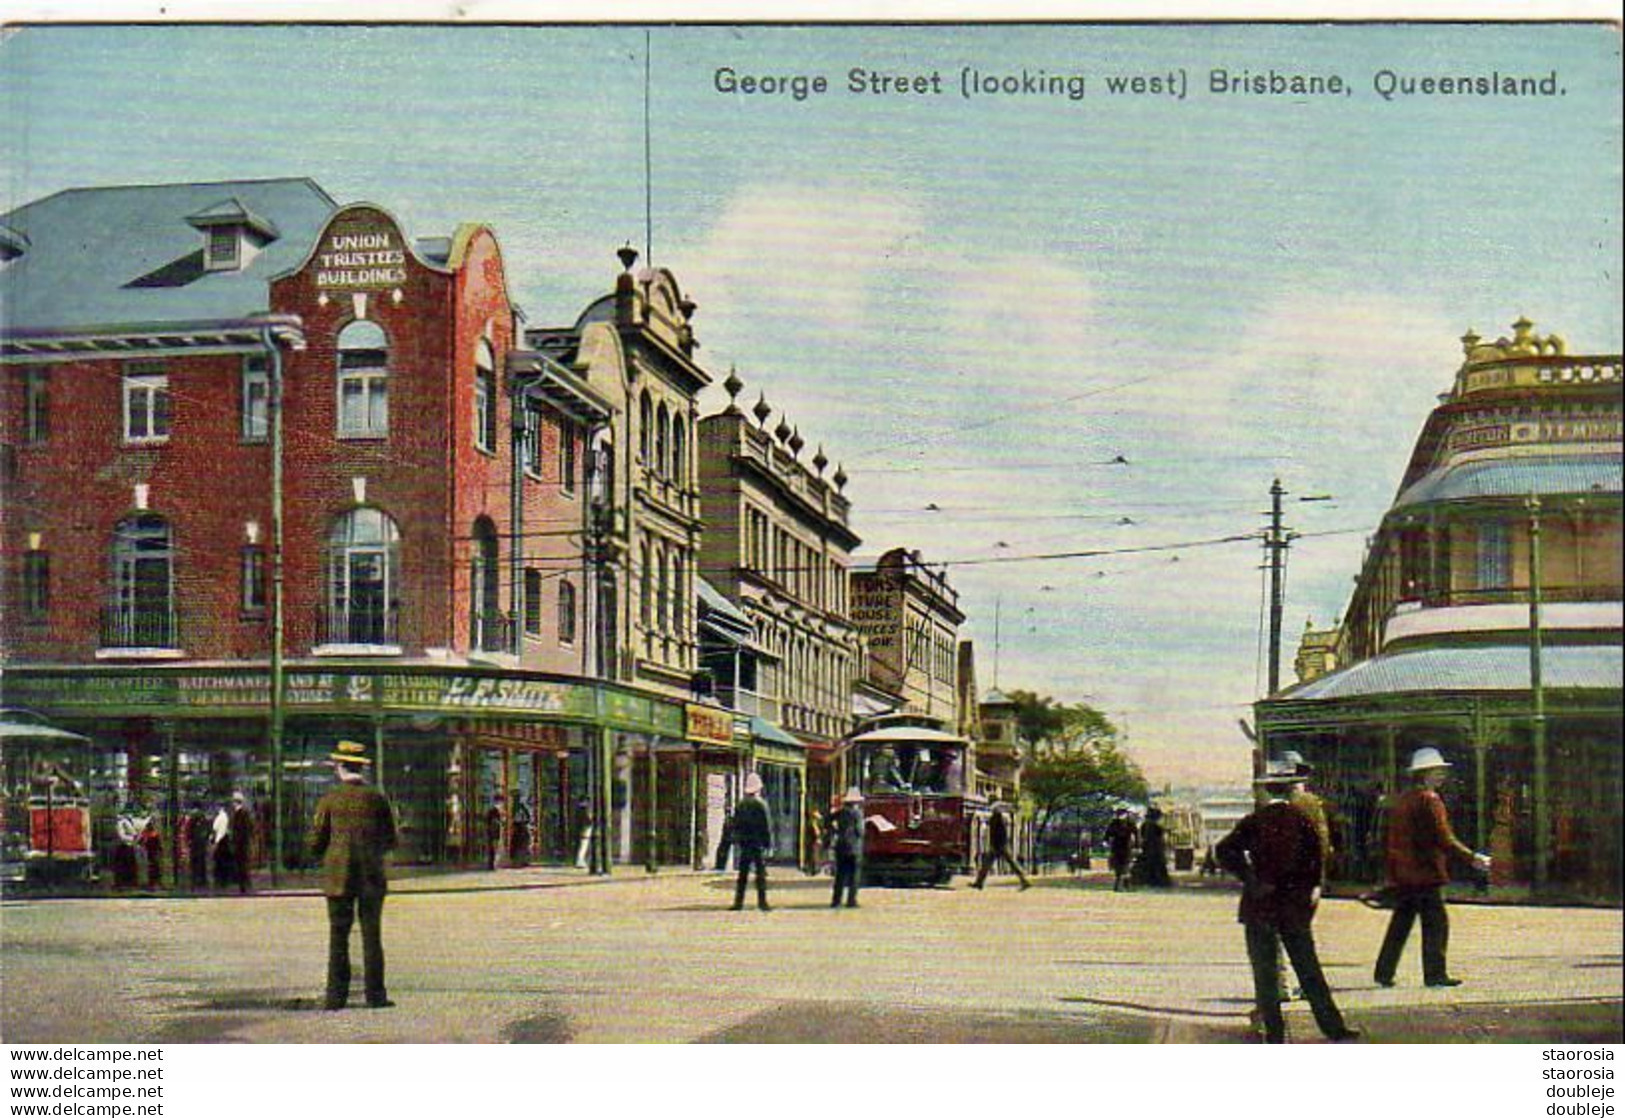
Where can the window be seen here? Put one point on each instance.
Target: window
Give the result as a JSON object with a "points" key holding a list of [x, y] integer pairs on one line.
{"points": [[567, 457], [37, 406], [256, 399], [533, 602], [36, 585], [363, 381], [253, 587], [146, 403], [142, 613], [679, 451], [485, 614], [662, 442], [223, 246], [363, 576], [646, 421], [1494, 556], [531, 446], [567, 612], [645, 587], [485, 399]]}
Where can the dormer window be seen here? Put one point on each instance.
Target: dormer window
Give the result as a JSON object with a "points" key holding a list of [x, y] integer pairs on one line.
{"points": [[233, 235]]}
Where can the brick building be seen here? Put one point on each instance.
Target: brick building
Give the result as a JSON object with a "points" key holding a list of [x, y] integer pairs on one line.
{"points": [[423, 583]]}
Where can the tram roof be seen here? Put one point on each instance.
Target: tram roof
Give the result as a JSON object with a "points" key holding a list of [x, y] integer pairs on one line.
{"points": [[908, 733]]}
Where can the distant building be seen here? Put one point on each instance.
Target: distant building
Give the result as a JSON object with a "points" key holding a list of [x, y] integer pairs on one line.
{"points": [[910, 617], [1317, 652], [1438, 647]]}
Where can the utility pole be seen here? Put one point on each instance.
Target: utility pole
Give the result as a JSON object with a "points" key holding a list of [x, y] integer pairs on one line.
{"points": [[1276, 542], [1537, 697]]}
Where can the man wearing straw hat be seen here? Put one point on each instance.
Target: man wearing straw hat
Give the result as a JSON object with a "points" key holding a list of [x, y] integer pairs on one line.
{"points": [[846, 834], [1277, 854], [752, 836], [1420, 845], [354, 828]]}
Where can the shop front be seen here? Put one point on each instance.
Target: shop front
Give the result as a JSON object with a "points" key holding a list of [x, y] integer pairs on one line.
{"points": [[489, 768]]}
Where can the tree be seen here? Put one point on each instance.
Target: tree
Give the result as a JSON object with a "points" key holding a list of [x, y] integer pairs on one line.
{"points": [[1072, 761]]}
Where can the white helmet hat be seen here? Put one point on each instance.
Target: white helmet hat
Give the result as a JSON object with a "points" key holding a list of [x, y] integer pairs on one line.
{"points": [[1428, 758], [753, 784]]}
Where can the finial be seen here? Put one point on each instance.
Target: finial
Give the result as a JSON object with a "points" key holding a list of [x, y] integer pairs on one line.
{"points": [[688, 307], [819, 461], [782, 430], [628, 255], [1469, 341], [762, 410], [796, 443], [840, 477], [732, 386]]}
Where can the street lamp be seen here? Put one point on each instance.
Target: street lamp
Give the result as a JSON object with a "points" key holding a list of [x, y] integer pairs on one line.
{"points": [[276, 333]]}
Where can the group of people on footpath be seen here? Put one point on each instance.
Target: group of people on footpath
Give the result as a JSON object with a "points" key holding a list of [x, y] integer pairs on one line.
{"points": [[218, 844], [1137, 853], [1280, 852]]}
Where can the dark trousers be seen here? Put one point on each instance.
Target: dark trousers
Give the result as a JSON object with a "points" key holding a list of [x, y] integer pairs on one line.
{"points": [[991, 858], [1409, 904], [749, 856], [846, 877], [341, 914], [199, 865], [1264, 942]]}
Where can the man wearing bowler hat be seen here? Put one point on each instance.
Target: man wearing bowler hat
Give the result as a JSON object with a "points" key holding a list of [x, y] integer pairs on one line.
{"points": [[354, 828], [1420, 845], [1277, 854]]}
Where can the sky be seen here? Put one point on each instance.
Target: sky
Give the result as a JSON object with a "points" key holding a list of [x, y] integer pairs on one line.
{"points": [[976, 306]]}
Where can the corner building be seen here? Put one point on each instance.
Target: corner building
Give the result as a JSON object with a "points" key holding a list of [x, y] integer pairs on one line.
{"points": [[1486, 621], [423, 583]]}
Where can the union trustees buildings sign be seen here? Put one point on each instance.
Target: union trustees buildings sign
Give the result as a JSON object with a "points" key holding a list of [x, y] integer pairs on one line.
{"points": [[362, 250]]}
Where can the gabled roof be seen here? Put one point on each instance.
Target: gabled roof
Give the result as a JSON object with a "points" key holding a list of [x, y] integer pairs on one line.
{"points": [[233, 212], [130, 255]]}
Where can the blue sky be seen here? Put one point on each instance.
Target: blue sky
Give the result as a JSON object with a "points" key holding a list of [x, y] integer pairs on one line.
{"points": [[972, 304]]}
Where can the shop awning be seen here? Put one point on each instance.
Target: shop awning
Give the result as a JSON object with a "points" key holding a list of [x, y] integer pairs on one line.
{"points": [[1498, 668], [763, 730]]}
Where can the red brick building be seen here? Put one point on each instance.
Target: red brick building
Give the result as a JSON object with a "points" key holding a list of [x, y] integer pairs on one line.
{"points": [[425, 587]]}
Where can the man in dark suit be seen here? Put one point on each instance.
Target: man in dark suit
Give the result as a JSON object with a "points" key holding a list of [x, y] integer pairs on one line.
{"points": [[241, 835], [998, 848], [353, 829], [1277, 854], [752, 837], [847, 846]]}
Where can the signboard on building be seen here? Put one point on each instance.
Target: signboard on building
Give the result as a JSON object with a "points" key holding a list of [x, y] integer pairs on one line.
{"points": [[362, 250], [711, 725]]}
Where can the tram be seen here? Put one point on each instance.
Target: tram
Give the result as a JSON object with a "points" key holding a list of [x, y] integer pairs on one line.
{"points": [[923, 816], [44, 813]]}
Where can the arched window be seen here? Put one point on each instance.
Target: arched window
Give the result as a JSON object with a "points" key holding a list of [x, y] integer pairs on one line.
{"points": [[363, 579], [646, 422], [363, 383], [645, 587], [485, 398], [485, 583], [679, 450], [662, 442], [663, 597], [567, 612], [142, 613]]}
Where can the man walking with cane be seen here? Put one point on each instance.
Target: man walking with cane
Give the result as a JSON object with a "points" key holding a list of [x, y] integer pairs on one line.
{"points": [[354, 828]]}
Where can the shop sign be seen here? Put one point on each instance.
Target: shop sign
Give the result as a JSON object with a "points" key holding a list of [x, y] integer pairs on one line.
{"points": [[710, 724]]}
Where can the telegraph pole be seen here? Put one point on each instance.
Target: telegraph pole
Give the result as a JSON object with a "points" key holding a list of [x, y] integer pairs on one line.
{"points": [[1276, 541]]}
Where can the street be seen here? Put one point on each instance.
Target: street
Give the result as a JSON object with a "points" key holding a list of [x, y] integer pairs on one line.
{"points": [[639, 958]]}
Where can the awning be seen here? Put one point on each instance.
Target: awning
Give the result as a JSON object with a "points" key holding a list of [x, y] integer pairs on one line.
{"points": [[763, 730], [1498, 668]]}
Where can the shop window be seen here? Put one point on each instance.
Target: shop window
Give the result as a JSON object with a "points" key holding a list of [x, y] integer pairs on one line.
{"points": [[363, 383], [363, 579], [37, 405], [567, 612], [533, 602], [256, 397], [485, 399], [141, 613], [253, 581], [36, 585], [146, 403]]}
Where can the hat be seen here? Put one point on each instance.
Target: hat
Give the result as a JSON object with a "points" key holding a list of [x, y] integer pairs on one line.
{"points": [[853, 796], [1428, 758], [238, 798], [350, 753], [1295, 759], [753, 784], [1277, 773]]}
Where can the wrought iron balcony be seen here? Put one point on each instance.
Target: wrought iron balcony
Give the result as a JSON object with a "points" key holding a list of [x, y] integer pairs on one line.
{"points": [[376, 626], [125, 626]]}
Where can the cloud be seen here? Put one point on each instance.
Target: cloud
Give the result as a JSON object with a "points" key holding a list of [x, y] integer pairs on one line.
{"points": [[802, 253]]}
